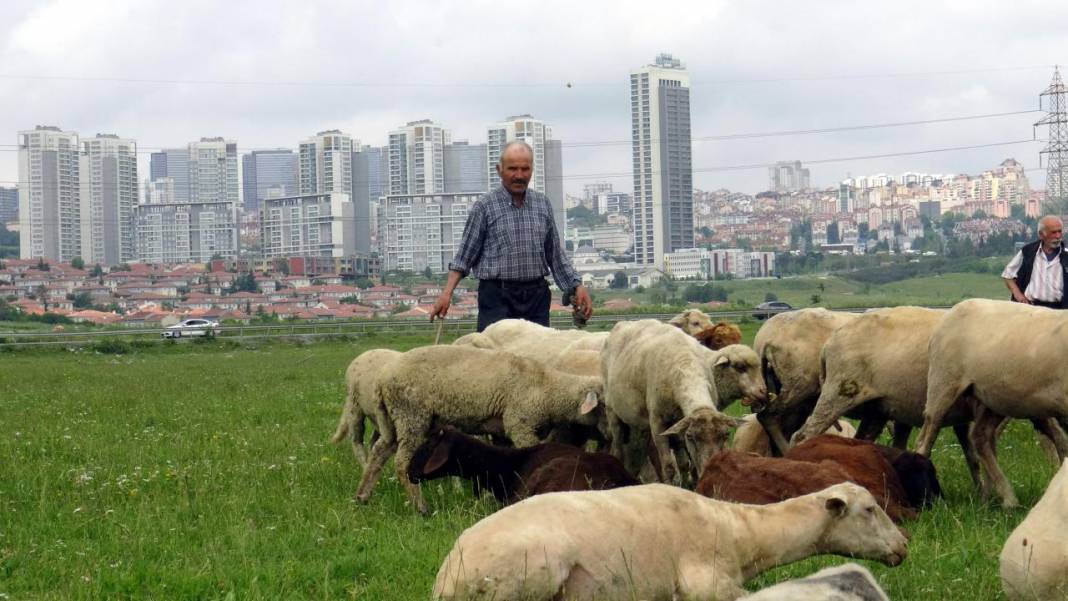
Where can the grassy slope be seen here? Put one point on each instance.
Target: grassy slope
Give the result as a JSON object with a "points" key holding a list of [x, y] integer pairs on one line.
{"points": [[198, 472]]}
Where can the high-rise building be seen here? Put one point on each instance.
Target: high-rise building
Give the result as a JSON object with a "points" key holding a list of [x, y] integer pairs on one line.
{"points": [[312, 225], [417, 231], [9, 204], [172, 163], [326, 163], [370, 178], [213, 171], [788, 176], [266, 174], [662, 160], [108, 196], [465, 168], [548, 158], [50, 225], [417, 158], [182, 232]]}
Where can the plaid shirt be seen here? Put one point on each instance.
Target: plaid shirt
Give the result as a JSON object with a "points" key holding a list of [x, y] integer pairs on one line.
{"points": [[503, 242]]}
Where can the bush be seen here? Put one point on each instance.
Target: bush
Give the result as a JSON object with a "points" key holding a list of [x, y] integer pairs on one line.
{"points": [[111, 346]]}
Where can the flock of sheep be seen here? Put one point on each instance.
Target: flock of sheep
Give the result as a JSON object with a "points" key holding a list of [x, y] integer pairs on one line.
{"points": [[793, 483]]}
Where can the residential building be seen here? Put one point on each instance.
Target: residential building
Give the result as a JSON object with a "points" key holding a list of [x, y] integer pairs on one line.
{"points": [[370, 178], [310, 225], [417, 158], [9, 204], [213, 172], [662, 160], [703, 264], [548, 158], [183, 232], [786, 176], [160, 191], [326, 163], [172, 163], [422, 230], [268, 174], [465, 168], [612, 203], [108, 196], [50, 222]]}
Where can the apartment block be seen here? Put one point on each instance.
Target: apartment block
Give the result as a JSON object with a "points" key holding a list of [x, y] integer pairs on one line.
{"points": [[309, 225], [417, 231]]}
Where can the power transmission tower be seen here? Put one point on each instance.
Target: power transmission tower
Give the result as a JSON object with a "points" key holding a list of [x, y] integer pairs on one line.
{"points": [[1056, 150]]}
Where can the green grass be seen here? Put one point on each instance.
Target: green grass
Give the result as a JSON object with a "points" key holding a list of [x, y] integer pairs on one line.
{"points": [[204, 471]]}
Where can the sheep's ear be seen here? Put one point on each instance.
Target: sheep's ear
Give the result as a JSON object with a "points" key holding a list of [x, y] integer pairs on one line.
{"points": [[589, 404], [721, 360], [438, 457], [836, 506], [680, 320], [678, 429]]}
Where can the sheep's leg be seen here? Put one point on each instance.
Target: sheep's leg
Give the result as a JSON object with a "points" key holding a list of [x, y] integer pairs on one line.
{"points": [[381, 451], [701, 580], [901, 435], [772, 425], [943, 390], [670, 469], [616, 431], [984, 437], [970, 458], [1052, 440], [406, 446], [871, 426], [356, 425]]}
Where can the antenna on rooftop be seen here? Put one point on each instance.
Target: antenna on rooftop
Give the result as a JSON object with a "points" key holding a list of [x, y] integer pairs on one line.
{"points": [[1056, 150]]}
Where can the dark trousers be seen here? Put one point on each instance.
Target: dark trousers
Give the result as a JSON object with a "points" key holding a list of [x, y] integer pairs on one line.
{"points": [[499, 300], [1051, 305]]}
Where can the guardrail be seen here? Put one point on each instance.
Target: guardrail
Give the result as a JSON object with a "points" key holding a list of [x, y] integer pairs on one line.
{"points": [[330, 328]]}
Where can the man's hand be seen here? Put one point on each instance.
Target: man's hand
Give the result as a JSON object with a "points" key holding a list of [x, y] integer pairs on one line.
{"points": [[441, 306], [1020, 298], [582, 302]]}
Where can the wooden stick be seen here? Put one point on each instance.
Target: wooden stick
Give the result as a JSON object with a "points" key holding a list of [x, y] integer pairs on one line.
{"points": [[441, 324]]}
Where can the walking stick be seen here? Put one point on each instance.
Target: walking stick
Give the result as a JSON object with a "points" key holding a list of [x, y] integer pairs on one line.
{"points": [[441, 324]]}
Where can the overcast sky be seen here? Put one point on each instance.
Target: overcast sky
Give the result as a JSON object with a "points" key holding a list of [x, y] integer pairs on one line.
{"points": [[271, 73]]}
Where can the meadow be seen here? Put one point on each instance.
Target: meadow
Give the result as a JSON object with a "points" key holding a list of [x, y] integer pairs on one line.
{"points": [[204, 471]]}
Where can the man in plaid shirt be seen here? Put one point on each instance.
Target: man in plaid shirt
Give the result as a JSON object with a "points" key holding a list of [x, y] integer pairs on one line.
{"points": [[510, 244]]}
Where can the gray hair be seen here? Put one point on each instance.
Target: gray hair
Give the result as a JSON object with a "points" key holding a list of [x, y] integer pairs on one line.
{"points": [[512, 144], [1043, 223]]}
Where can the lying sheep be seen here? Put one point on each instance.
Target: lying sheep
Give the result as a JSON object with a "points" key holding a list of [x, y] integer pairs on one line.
{"points": [[659, 380], [478, 391], [361, 401], [917, 474], [656, 542], [750, 437], [515, 474], [849, 582], [1034, 560], [1013, 370], [789, 345]]}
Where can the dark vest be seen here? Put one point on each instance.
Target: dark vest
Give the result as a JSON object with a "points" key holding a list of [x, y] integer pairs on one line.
{"points": [[1023, 277]]}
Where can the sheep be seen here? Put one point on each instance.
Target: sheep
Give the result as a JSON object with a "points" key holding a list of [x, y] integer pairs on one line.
{"points": [[1013, 370], [660, 380], [917, 474], [848, 582], [789, 345], [360, 400], [479, 391], [714, 336], [750, 437], [514, 474], [1034, 560], [656, 541], [742, 478]]}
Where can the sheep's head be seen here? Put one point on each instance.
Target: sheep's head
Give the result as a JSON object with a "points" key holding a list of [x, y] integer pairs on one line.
{"points": [[693, 322], [433, 458], [857, 527], [705, 432], [720, 335], [736, 370]]}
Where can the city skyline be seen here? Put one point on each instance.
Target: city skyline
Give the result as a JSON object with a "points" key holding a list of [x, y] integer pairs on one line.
{"points": [[270, 82]]}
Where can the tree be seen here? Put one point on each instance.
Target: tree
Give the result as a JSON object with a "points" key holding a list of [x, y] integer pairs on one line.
{"points": [[770, 297], [815, 299], [77, 263], [42, 265], [244, 282], [97, 271], [619, 281], [82, 300], [121, 267], [427, 273]]}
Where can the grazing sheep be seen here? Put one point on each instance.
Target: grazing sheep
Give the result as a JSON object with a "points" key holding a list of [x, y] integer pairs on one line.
{"points": [[1014, 370], [849, 582], [478, 391], [656, 542], [714, 336], [515, 474], [659, 380], [750, 437], [1034, 560], [361, 401], [742, 478], [789, 345], [917, 474]]}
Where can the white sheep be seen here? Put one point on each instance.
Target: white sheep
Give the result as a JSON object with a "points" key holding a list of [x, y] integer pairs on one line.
{"points": [[477, 391], [361, 401], [659, 380], [1034, 560], [849, 582], [656, 542], [750, 437]]}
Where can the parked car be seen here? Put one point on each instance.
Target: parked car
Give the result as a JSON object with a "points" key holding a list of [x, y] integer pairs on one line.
{"points": [[191, 327], [766, 310]]}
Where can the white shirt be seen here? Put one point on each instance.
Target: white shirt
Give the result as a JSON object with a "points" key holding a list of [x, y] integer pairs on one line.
{"points": [[1047, 278]]}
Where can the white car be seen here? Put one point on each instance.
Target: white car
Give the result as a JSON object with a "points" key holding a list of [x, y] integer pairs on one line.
{"points": [[191, 327]]}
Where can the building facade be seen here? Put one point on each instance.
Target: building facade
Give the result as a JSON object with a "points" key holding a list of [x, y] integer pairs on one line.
{"points": [[417, 231], [268, 174], [417, 158], [9, 204], [50, 222], [548, 158], [465, 168], [174, 164], [788, 176], [703, 264], [311, 225], [326, 163], [370, 177], [108, 197], [213, 172], [184, 232], [662, 160]]}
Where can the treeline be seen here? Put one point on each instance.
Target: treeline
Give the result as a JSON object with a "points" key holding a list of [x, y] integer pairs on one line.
{"points": [[884, 274]]}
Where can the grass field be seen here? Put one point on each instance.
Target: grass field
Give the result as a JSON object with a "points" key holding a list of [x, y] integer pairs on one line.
{"points": [[204, 471]]}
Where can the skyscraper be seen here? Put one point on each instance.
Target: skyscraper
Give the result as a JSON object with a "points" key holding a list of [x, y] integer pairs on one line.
{"points": [[369, 182], [326, 163], [9, 204], [268, 174], [108, 196], [172, 163], [417, 158], [548, 158], [465, 168], [49, 194], [663, 171], [213, 175]]}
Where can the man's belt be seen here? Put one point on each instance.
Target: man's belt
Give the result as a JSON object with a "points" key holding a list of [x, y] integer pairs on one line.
{"points": [[515, 284]]}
